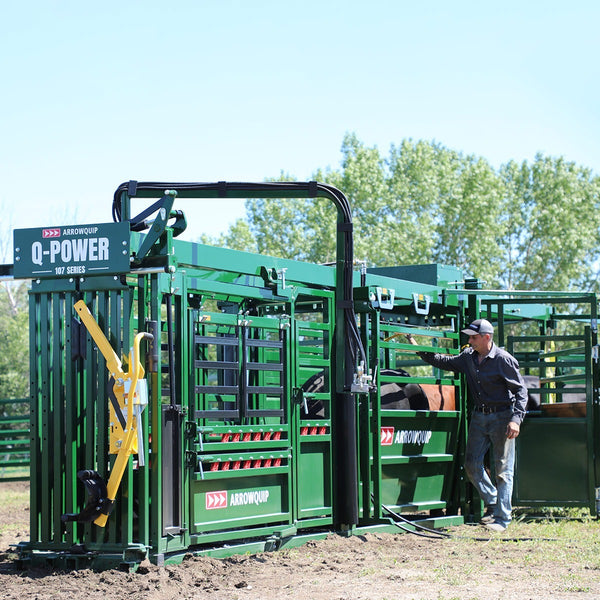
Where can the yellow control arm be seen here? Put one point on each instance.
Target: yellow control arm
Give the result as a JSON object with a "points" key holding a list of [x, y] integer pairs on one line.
{"points": [[126, 395]]}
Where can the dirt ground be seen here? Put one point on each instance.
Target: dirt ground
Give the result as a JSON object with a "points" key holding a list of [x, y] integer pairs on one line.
{"points": [[542, 564]]}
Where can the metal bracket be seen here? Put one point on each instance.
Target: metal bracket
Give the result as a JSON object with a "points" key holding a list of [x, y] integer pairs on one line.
{"points": [[421, 303], [159, 225], [362, 381], [385, 303], [281, 276], [299, 396], [190, 458]]}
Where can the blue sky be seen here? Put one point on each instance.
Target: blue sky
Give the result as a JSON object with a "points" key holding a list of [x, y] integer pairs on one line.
{"points": [[94, 94]]}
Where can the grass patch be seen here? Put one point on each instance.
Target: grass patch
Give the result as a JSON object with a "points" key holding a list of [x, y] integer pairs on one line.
{"points": [[11, 496]]}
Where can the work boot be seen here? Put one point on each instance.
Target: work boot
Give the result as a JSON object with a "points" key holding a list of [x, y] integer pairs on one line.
{"points": [[488, 515], [496, 526]]}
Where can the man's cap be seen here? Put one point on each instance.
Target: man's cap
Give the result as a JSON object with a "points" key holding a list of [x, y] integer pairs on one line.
{"points": [[479, 326]]}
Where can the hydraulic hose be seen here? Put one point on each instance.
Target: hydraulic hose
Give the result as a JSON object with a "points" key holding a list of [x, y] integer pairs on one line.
{"points": [[288, 189], [398, 520]]}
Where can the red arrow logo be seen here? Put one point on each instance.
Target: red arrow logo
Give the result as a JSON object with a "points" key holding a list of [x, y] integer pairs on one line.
{"points": [[387, 436], [216, 500], [50, 233]]}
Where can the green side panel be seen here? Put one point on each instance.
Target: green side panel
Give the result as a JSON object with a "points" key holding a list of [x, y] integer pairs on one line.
{"points": [[314, 482], [423, 485], [237, 502], [552, 462], [417, 453]]}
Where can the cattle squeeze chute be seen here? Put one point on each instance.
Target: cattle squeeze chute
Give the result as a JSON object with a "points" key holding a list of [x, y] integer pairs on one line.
{"points": [[187, 398]]}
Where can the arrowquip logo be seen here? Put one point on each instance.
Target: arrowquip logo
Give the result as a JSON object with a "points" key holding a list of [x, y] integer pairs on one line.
{"points": [[413, 437], [245, 498], [389, 436], [216, 500], [220, 499]]}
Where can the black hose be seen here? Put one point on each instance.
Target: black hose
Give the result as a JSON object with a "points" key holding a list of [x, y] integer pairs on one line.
{"points": [[443, 535], [313, 189]]}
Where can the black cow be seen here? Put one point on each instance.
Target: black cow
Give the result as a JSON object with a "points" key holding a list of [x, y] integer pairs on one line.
{"points": [[394, 395]]}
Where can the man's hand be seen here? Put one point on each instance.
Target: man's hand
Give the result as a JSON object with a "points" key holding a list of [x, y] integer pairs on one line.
{"points": [[411, 339], [512, 431]]}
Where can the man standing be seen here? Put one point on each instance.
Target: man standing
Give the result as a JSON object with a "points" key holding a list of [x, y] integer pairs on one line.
{"points": [[499, 399]]}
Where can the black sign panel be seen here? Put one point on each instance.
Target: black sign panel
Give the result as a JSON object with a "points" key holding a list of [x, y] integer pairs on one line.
{"points": [[71, 251]]}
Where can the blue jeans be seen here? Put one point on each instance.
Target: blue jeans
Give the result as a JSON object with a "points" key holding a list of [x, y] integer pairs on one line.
{"points": [[486, 430]]}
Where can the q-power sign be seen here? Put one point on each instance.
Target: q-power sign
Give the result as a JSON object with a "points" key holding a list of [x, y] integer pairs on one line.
{"points": [[71, 251]]}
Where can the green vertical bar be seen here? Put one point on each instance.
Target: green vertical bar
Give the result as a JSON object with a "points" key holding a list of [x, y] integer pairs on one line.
{"points": [[286, 407], [294, 409], [158, 543], [71, 414], [46, 409], [589, 395], [594, 405], [186, 399], [143, 483], [84, 376], [101, 443], [122, 326], [95, 366], [34, 416], [375, 433], [56, 370]]}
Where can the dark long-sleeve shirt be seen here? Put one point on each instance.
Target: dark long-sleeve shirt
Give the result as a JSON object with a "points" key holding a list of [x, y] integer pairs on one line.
{"points": [[496, 381]]}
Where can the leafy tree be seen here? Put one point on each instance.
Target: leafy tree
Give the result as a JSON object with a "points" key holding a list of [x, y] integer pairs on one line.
{"points": [[553, 218], [523, 226], [239, 237], [14, 341], [14, 323]]}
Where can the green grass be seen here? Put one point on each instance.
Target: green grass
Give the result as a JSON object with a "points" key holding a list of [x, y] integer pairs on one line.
{"points": [[565, 550], [14, 498]]}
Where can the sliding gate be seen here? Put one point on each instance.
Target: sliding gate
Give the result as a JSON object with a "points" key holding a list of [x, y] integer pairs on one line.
{"points": [[412, 423], [557, 349], [259, 457]]}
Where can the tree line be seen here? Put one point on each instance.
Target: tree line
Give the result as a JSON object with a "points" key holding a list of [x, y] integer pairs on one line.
{"points": [[528, 225], [521, 226]]}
